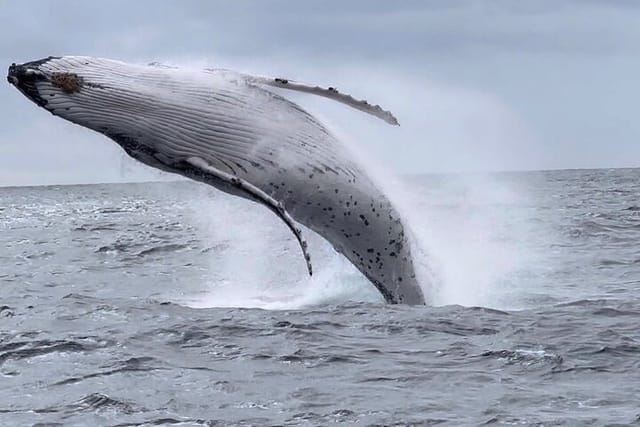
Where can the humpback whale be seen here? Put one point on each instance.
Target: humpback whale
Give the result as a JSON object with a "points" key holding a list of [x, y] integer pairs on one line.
{"points": [[234, 132]]}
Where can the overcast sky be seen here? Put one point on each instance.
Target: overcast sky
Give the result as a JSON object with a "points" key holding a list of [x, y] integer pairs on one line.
{"points": [[476, 85]]}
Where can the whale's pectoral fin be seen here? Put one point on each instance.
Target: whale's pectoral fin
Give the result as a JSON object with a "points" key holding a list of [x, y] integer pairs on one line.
{"points": [[257, 194], [330, 92]]}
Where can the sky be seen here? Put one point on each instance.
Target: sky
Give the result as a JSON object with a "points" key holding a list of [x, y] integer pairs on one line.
{"points": [[477, 85]]}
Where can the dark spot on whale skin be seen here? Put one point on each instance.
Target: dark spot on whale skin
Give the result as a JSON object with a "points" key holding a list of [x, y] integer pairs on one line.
{"points": [[328, 168], [94, 85], [370, 250], [315, 169], [241, 167], [393, 254]]}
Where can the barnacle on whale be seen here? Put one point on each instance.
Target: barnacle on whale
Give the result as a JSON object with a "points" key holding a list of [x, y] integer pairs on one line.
{"points": [[67, 82]]}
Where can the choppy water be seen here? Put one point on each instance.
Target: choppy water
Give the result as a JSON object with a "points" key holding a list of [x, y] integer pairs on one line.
{"points": [[117, 308]]}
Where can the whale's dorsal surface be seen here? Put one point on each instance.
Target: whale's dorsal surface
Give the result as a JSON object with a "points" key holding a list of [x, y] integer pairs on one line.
{"points": [[228, 130]]}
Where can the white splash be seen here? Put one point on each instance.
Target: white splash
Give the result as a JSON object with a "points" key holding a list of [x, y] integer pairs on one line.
{"points": [[256, 264]]}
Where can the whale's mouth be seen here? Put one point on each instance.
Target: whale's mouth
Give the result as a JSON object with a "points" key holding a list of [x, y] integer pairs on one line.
{"points": [[25, 78]]}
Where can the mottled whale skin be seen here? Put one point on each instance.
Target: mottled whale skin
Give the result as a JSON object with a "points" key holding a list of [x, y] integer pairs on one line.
{"points": [[229, 130]]}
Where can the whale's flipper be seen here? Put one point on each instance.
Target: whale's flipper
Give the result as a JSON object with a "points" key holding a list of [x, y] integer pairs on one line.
{"points": [[255, 194], [330, 92]]}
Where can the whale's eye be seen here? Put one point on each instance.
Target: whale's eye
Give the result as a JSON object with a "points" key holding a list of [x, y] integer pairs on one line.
{"points": [[68, 82]]}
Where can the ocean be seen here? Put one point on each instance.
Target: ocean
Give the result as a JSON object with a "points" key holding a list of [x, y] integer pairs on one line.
{"points": [[173, 304]]}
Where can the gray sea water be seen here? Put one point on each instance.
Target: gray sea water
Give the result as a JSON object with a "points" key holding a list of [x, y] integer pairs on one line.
{"points": [[173, 304]]}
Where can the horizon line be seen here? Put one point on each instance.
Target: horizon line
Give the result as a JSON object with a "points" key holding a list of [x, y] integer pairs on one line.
{"points": [[408, 175]]}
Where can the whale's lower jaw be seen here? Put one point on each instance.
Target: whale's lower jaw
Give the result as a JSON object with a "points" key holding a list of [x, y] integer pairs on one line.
{"points": [[219, 128]]}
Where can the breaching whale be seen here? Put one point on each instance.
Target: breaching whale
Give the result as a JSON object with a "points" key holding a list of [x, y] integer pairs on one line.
{"points": [[230, 130]]}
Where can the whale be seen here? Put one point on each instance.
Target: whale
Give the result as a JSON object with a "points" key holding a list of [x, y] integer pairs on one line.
{"points": [[238, 133]]}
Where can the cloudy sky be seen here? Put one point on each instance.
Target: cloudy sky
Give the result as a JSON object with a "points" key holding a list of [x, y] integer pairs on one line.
{"points": [[477, 85]]}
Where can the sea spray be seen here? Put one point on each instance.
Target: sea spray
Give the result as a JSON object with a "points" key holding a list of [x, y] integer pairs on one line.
{"points": [[254, 262]]}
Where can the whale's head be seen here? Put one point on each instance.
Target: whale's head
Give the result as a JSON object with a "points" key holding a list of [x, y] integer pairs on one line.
{"points": [[80, 89], [122, 101]]}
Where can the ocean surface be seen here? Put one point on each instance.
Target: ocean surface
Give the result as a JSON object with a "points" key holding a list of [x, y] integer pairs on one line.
{"points": [[174, 304]]}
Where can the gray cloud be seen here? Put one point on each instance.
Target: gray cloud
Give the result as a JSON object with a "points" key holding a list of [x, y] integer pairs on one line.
{"points": [[478, 85]]}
